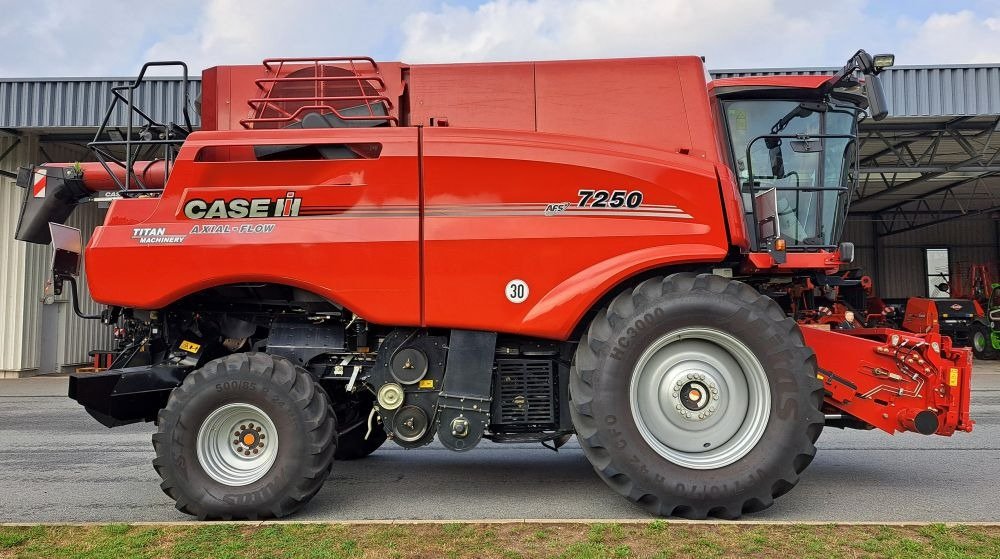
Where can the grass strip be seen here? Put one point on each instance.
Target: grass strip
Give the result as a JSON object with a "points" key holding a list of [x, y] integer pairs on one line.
{"points": [[657, 539]]}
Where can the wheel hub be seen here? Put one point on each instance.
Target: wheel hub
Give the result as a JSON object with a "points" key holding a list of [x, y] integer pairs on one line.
{"points": [[249, 439], [700, 398], [237, 444]]}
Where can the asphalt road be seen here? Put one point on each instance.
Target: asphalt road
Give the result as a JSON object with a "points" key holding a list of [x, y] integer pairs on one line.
{"points": [[59, 465]]}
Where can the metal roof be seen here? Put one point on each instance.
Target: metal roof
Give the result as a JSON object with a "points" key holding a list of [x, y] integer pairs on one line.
{"points": [[958, 90], [82, 102], [911, 91]]}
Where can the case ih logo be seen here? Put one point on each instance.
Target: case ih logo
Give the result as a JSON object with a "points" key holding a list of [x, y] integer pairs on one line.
{"points": [[956, 307], [242, 207]]}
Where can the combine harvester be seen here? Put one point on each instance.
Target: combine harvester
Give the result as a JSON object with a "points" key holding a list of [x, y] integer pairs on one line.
{"points": [[348, 252]]}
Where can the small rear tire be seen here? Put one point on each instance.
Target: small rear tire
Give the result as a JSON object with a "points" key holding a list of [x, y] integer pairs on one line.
{"points": [[696, 396], [982, 342], [245, 437]]}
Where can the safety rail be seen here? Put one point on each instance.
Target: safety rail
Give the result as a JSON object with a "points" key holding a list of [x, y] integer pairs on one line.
{"points": [[143, 138], [277, 105]]}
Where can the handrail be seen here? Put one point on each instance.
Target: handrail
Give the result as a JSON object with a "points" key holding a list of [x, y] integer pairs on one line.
{"points": [[133, 147], [363, 71]]}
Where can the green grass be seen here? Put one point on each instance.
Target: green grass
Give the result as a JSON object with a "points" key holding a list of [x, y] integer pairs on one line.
{"points": [[659, 539]]}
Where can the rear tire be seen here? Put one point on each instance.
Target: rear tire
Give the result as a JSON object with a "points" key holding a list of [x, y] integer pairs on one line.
{"points": [[682, 340], [982, 342], [220, 415]]}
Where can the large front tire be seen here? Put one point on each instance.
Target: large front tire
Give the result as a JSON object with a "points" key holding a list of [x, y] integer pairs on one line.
{"points": [[696, 396], [247, 436]]}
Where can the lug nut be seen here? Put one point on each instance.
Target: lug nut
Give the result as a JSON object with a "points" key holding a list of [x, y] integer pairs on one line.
{"points": [[258, 428], [255, 451], [262, 437], [251, 425], [247, 453], [243, 426], [236, 442]]}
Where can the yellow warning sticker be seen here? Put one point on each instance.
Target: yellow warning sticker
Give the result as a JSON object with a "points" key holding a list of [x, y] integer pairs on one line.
{"points": [[953, 377], [737, 120], [427, 383], [190, 347]]}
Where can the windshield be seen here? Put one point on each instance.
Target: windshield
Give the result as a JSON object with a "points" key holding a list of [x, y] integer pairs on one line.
{"points": [[806, 152]]}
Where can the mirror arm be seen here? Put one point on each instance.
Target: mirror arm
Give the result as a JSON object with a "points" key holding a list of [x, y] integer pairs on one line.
{"points": [[75, 297]]}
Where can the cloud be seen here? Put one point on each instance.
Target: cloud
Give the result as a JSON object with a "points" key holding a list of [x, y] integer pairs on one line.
{"points": [[247, 31], [750, 33], [730, 34], [58, 38], [951, 38], [114, 37]]}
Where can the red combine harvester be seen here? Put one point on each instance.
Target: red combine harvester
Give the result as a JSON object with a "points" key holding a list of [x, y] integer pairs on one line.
{"points": [[349, 252]]}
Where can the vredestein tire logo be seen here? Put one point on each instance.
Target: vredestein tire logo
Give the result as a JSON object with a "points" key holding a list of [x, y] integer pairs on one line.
{"points": [[236, 208]]}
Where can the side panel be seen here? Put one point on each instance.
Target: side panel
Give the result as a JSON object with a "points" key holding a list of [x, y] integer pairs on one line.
{"points": [[504, 206], [498, 96], [346, 229]]}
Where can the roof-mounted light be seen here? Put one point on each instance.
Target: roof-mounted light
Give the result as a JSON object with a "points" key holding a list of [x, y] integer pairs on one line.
{"points": [[882, 61]]}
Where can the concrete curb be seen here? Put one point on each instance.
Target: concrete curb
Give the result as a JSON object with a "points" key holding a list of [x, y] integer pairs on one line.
{"points": [[403, 522]]}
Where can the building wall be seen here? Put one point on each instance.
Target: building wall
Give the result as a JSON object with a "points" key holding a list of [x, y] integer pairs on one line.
{"points": [[19, 267], [24, 268], [900, 271]]}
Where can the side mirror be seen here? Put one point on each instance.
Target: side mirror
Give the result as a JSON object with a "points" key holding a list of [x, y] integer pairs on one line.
{"points": [[67, 248], [846, 250], [876, 97], [766, 208]]}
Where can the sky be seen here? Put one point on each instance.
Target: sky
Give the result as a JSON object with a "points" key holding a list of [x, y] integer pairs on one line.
{"points": [[63, 38]]}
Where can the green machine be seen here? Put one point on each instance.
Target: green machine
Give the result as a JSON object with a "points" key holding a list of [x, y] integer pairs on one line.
{"points": [[986, 329]]}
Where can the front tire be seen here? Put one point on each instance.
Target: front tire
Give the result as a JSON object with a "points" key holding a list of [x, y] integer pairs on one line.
{"points": [[247, 436], [982, 342], [696, 396]]}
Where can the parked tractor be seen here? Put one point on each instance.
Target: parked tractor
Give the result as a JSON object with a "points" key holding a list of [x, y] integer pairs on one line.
{"points": [[349, 252], [986, 328]]}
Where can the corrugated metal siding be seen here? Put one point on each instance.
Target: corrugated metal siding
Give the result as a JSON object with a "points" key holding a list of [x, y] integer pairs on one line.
{"points": [[921, 91], [78, 336], [83, 103], [21, 311], [899, 273], [25, 269]]}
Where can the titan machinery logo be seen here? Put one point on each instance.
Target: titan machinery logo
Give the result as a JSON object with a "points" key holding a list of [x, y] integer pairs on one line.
{"points": [[155, 236], [237, 208]]}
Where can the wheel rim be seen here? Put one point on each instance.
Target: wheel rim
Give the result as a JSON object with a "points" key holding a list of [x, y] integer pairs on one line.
{"points": [[700, 398], [237, 444], [979, 340]]}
